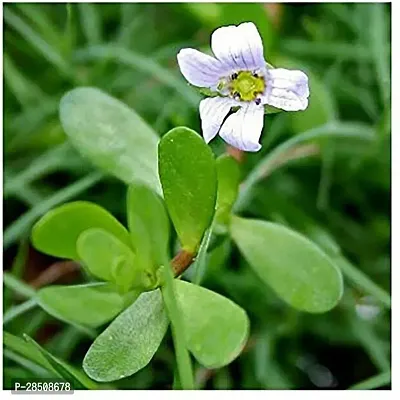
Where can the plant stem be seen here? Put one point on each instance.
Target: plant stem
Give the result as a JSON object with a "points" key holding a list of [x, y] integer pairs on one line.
{"points": [[235, 153], [183, 361], [182, 261]]}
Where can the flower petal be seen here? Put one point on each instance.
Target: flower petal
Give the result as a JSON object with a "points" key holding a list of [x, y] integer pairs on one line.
{"points": [[243, 128], [238, 47], [290, 79], [200, 69], [213, 111], [286, 89]]}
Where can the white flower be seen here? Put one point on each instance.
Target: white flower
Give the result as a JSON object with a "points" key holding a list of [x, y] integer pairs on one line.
{"points": [[244, 84]]}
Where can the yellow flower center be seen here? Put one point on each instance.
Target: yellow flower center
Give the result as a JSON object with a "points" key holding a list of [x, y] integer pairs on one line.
{"points": [[246, 86]]}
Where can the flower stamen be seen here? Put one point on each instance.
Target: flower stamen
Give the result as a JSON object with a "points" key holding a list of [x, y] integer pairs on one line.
{"points": [[246, 85]]}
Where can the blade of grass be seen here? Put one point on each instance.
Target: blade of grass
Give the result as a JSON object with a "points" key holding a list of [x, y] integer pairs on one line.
{"points": [[90, 22], [43, 48], [329, 50], [18, 265], [362, 281], [24, 90], [68, 40], [141, 63], [160, 124], [379, 39], [36, 321], [267, 370], [331, 129], [372, 344], [77, 378], [12, 283], [28, 364], [16, 311], [277, 127], [43, 165], [223, 379], [374, 382], [362, 96], [22, 224], [328, 159], [26, 193], [130, 21], [23, 124], [342, 14], [18, 286], [168, 51], [64, 343], [42, 21]]}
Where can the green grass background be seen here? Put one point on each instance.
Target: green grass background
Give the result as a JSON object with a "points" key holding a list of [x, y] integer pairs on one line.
{"points": [[338, 195]]}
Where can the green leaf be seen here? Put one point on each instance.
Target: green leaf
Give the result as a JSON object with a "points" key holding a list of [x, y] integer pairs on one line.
{"points": [[130, 341], [77, 379], [148, 225], [299, 271], [108, 258], [216, 328], [111, 135], [189, 181], [205, 91], [57, 232], [271, 110], [90, 304], [228, 172]]}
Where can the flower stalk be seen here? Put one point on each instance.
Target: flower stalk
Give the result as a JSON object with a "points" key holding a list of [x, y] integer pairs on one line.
{"points": [[182, 261], [184, 364]]}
